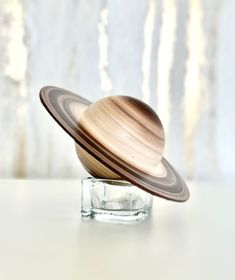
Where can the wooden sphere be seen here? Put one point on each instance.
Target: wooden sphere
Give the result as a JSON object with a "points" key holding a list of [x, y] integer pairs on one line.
{"points": [[120, 135], [129, 129]]}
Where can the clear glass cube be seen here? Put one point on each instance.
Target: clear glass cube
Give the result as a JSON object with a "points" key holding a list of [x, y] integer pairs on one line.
{"points": [[114, 201]]}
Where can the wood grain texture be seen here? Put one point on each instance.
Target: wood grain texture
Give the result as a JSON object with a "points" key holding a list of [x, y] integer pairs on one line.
{"points": [[123, 134]]}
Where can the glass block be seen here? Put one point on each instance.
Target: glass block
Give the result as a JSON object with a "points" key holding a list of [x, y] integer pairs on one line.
{"points": [[114, 201]]}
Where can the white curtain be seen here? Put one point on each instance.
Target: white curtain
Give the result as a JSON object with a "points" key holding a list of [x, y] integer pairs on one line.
{"points": [[178, 56]]}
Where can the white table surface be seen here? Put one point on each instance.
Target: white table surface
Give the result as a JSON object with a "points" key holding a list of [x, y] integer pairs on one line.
{"points": [[43, 237]]}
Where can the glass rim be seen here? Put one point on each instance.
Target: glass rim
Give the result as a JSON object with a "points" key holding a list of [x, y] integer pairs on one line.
{"points": [[108, 180]]}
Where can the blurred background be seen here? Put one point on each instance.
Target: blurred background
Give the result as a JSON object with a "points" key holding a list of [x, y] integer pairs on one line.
{"points": [[178, 56]]}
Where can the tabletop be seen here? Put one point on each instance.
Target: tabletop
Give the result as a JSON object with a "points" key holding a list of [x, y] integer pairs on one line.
{"points": [[43, 237]]}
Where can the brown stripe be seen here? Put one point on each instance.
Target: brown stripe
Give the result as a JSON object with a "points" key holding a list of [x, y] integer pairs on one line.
{"points": [[161, 138]]}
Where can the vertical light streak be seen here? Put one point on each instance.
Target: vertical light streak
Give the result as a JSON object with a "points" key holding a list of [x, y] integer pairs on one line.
{"points": [[165, 60], [106, 83], [148, 37], [194, 79], [15, 69], [16, 51]]}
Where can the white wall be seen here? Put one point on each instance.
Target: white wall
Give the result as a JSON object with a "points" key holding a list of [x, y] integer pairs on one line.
{"points": [[178, 56]]}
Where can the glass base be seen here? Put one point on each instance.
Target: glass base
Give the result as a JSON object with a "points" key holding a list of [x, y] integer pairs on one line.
{"points": [[110, 200]]}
